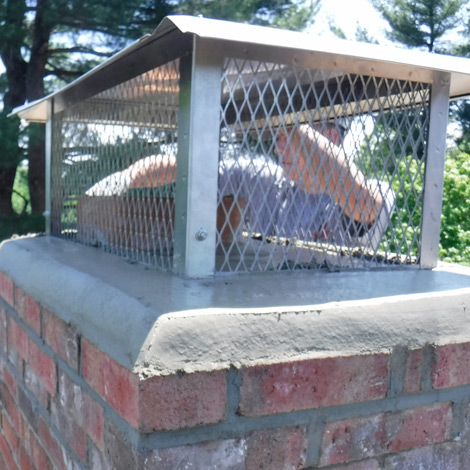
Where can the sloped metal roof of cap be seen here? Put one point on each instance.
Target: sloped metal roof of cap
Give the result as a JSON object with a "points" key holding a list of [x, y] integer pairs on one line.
{"points": [[370, 57]]}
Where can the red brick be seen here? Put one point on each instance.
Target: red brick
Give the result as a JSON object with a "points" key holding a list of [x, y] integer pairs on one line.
{"points": [[80, 408], [365, 437], [52, 445], [38, 454], [26, 417], [276, 448], [418, 427], [186, 400], [43, 366], [352, 439], [313, 383], [17, 339], [20, 425], [25, 461], [412, 375], [13, 412], [28, 309], [61, 337], [16, 360], [6, 289], [10, 381], [94, 362], [452, 366], [115, 383], [6, 454], [94, 421], [10, 434], [121, 391], [159, 403], [3, 329]]}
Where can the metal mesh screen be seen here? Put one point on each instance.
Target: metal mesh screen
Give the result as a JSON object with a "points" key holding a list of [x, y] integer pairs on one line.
{"points": [[114, 167], [319, 169]]}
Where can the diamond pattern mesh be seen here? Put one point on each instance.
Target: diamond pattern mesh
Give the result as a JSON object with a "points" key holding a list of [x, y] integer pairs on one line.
{"points": [[114, 167], [319, 169]]}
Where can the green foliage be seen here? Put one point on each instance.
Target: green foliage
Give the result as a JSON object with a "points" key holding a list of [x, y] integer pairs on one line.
{"points": [[20, 198], [420, 23], [287, 14], [363, 35], [23, 221], [423, 24], [13, 28], [460, 112], [395, 134], [455, 223], [407, 180], [455, 230], [336, 30], [298, 15]]}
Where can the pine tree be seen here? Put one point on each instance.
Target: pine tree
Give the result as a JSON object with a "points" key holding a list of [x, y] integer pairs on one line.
{"points": [[44, 43], [420, 23]]}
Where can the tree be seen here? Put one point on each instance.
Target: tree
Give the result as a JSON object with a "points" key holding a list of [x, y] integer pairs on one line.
{"points": [[424, 24], [461, 114], [37, 40], [455, 232], [278, 13], [420, 23], [45, 41], [461, 109]]}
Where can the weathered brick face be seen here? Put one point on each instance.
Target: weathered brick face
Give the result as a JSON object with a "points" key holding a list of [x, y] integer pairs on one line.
{"points": [[6, 289], [62, 338], [67, 405], [27, 309], [372, 436], [314, 383], [452, 366], [182, 401]]}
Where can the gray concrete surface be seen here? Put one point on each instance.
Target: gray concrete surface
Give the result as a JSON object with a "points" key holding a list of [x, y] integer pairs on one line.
{"points": [[158, 323]]}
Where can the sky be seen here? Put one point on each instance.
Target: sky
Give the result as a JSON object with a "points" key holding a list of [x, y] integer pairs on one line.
{"points": [[346, 14]]}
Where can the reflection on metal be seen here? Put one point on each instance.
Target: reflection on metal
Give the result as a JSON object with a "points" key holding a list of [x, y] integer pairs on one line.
{"points": [[219, 155]]}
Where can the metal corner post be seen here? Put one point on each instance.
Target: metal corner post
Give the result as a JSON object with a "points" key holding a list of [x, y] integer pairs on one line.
{"points": [[197, 162], [48, 154], [434, 177]]}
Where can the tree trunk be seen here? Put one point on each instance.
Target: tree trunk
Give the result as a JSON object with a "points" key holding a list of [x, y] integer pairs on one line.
{"points": [[7, 177], [34, 91], [37, 167], [10, 51]]}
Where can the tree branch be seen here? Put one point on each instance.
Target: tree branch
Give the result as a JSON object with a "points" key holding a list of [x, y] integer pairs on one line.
{"points": [[78, 49], [25, 200], [62, 73]]}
